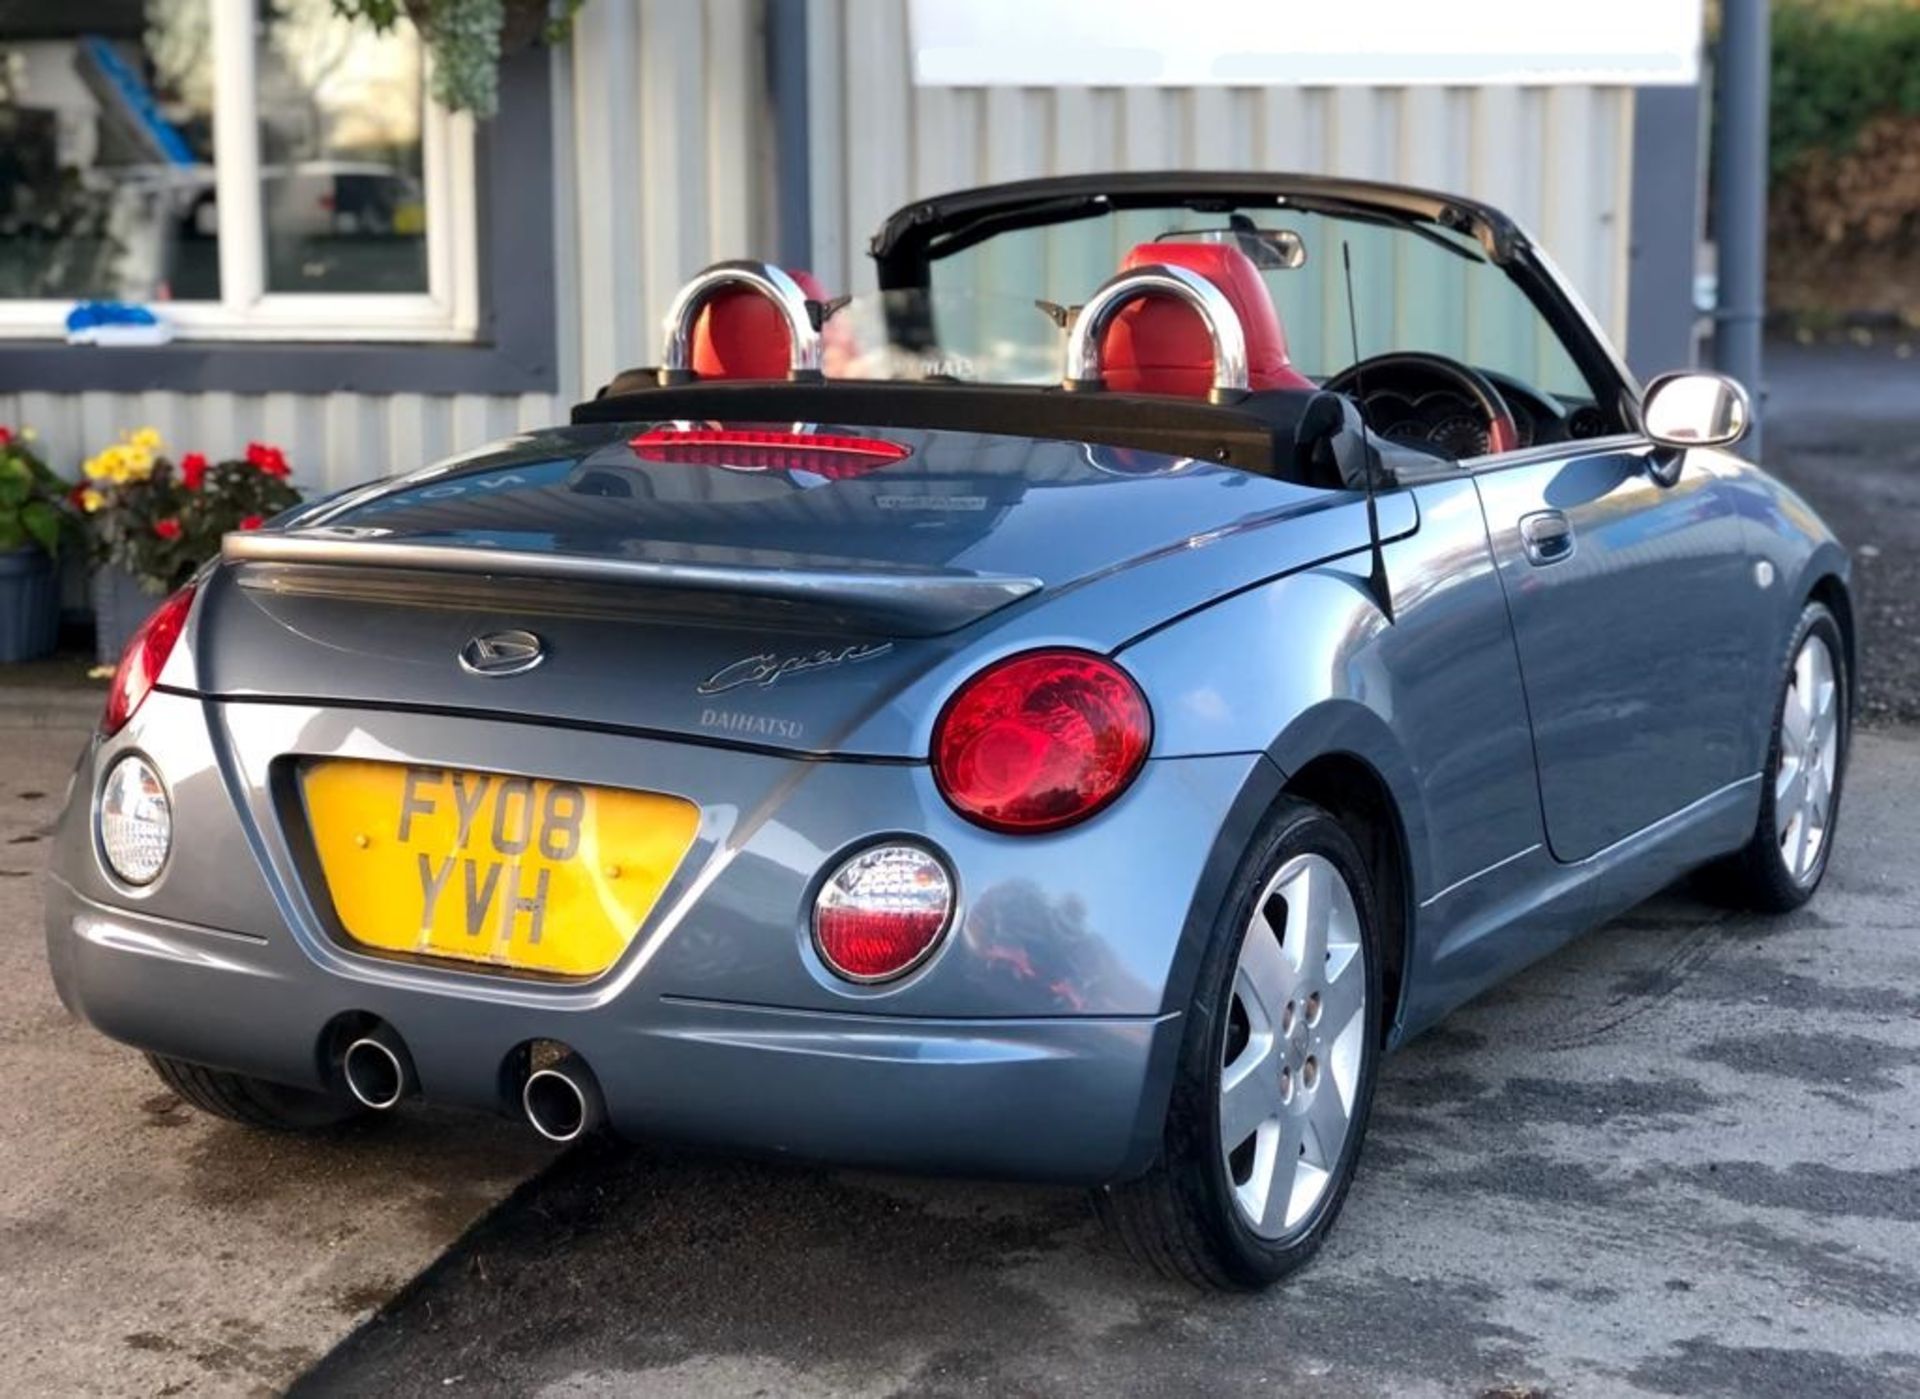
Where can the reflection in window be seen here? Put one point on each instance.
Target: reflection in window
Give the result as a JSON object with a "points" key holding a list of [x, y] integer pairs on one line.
{"points": [[106, 173], [341, 115]]}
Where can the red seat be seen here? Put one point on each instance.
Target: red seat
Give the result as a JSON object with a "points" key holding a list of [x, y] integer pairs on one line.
{"points": [[1160, 345], [740, 334]]}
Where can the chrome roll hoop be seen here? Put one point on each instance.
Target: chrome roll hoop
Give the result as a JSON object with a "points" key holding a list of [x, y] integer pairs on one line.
{"points": [[803, 339], [1117, 292]]}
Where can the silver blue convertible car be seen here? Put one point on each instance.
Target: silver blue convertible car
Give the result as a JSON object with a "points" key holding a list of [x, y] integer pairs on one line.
{"points": [[1061, 715]]}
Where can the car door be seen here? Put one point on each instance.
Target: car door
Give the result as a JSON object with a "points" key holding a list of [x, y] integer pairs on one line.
{"points": [[1636, 661]]}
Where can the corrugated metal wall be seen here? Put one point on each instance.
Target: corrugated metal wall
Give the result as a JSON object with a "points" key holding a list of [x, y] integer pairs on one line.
{"points": [[667, 124], [1557, 159], [662, 166], [332, 439]]}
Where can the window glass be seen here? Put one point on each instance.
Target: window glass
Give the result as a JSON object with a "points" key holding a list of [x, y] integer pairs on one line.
{"points": [[106, 142], [342, 111], [1413, 290]]}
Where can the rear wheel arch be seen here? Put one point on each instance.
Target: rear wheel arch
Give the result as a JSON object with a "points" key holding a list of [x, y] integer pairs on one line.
{"points": [[1351, 765], [1354, 793]]}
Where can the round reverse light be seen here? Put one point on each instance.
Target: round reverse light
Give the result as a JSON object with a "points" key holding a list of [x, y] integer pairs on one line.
{"points": [[1041, 740], [136, 821], [882, 913]]}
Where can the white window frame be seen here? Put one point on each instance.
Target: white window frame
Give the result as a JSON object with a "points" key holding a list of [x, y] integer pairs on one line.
{"points": [[449, 310]]}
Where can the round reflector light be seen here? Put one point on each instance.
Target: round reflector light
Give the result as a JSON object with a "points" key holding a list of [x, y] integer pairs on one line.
{"points": [[1041, 740], [882, 913], [136, 821]]}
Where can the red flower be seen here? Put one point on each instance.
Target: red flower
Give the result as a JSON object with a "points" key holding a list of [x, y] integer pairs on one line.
{"points": [[251, 522], [193, 470], [270, 460], [6, 436], [167, 529]]}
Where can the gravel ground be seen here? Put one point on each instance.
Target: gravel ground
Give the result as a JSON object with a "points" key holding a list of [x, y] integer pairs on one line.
{"points": [[1843, 428]]}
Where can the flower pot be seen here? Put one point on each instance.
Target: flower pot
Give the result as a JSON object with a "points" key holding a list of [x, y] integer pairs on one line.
{"points": [[120, 604], [29, 605]]}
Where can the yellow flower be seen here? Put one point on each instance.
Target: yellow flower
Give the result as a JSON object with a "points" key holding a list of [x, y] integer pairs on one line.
{"points": [[30, 434], [147, 438], [138, 461], [91, 500]]}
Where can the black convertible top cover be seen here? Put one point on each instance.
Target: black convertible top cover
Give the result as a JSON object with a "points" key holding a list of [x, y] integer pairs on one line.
{"points": [[1267, 432]]}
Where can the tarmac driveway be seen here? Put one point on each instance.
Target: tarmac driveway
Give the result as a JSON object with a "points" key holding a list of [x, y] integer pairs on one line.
{"points": [[145, 1249], [1678, 1157]]}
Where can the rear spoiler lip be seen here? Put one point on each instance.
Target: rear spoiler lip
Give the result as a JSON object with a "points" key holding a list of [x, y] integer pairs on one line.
{"points": [[910, 603]]}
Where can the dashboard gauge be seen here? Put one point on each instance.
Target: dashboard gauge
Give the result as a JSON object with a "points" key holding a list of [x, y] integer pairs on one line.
{"points": [[1459, 436], [1526, 429], [1411, 431], [1586, 422], [1387, 406]]}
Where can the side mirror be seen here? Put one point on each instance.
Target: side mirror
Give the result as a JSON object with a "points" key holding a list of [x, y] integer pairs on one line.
{"points": [[1695, 410]]}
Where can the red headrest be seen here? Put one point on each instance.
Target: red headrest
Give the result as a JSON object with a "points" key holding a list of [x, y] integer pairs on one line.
{"points": [[739, 334], [1160, 345]]}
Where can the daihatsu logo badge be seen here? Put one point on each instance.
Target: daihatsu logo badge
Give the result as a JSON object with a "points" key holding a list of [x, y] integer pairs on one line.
{"points": [[498, 653]]}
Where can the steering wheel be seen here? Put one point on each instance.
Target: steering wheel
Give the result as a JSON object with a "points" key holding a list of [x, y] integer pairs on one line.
{"points": [[1503, 434]]}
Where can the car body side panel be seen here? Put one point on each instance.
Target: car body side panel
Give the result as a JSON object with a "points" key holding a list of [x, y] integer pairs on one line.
{"points": [[1307, 665], [1636, 643], [1477, 934], [1782, 530]]}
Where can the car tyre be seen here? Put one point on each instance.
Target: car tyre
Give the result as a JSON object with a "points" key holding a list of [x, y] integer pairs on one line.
{"points": [[1296, 1018], [1783, 863], [253, 1102]]}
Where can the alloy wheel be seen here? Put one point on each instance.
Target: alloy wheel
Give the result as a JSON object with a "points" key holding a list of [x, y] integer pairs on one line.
{"points": [[1809, 763], [1296, 1031]]}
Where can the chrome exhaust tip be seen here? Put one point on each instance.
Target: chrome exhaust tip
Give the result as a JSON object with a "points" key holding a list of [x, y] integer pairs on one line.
{"points": [[563, 1101], [376, 1070]]}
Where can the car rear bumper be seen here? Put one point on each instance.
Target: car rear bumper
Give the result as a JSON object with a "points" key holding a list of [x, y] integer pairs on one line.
{"points": [[1037, 1042], [1067, 1099]]}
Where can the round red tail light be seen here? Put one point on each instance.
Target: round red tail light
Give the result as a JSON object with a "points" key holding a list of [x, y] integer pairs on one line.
{"points": [[882, 912], [145, 656], [1041, 740]]}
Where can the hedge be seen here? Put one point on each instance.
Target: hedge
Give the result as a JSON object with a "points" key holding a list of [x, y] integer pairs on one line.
{"points": [[1837, 64]]}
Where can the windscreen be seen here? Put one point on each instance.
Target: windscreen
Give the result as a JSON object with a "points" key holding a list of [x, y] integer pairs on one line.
{"points": [[994, 312]]}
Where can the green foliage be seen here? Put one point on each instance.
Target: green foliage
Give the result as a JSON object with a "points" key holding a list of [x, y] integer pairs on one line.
{"points": [[465, 35], [32, 499], [468, 37], [160, 520], [1836, 65]]}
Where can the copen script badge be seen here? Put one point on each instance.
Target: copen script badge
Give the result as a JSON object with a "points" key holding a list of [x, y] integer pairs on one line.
{"points": [[767, 668]]}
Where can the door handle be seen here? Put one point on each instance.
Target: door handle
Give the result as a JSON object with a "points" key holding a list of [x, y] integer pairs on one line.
{"points": [[1547, 537]]}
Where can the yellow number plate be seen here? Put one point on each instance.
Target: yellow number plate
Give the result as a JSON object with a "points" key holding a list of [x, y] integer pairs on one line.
{"points": [[516, 871]]}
